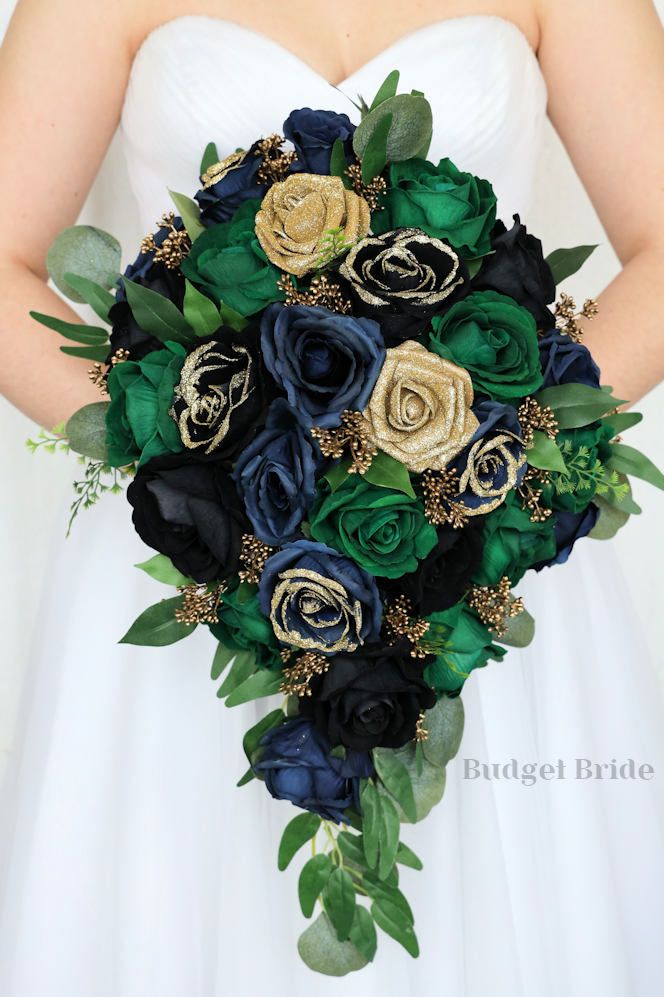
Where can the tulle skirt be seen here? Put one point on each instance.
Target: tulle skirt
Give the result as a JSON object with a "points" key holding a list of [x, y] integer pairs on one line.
{"points": [[133, 867]]}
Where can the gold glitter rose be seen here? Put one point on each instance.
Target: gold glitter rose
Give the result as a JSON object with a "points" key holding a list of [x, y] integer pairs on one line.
{"points": [[420, 408], [296, 215]]}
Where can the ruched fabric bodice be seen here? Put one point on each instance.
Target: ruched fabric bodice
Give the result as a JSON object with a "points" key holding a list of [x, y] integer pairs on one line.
{"points": [[232, 85]]}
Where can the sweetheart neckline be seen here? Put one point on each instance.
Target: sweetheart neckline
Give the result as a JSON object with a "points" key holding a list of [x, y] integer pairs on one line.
{"points": [[266, 40]]}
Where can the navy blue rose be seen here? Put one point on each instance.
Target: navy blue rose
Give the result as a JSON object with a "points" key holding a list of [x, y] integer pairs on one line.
{"points": [[313, 133], [568, 527], [126, 333], [319, 600], [494, 462], [566, 362], [296, 764], [324, 361], [275, 475], [228, 183]]}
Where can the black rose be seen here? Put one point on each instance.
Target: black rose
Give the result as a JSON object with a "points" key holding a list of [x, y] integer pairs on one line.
{"points": [[222, 394], [126, 333], [517, 268], [444, 575], [228, 183], [370, 698], [402, 278], [189, 510], [313, 133]]}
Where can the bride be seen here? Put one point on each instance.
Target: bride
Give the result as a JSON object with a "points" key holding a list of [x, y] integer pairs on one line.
{"points": [[132, 866]]}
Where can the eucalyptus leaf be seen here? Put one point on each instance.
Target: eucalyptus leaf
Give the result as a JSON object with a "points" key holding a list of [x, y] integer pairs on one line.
{"points": [[190, 213], [621, 421], [352, 847], [405, 856], [97, 354], [611, 519], [520, 630], [363, 933], [387, 89], [388, 835], [296, 833], [77, 332], [338, 162], [85, 251], [412, 123], [222, 658], [576, 405], [157, 626], [566, 262], [379, 890], [156, 314], [545, 454], [162, 569], [395, 777], [321, 950], [371, 812], [242, 667], [315, 874], [201, 314], [391, 920], [251, 740], [444, 724], [627, 460], [339, 901], [261, 683], [375, 153], [100, 300], [86, 431], [210, 157]]}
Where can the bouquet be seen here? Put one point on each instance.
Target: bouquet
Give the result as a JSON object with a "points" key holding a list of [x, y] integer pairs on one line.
{"points": [[351, 420]]}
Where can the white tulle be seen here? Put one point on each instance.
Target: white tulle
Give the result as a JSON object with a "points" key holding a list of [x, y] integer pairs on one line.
{"points": [[133, 867]]}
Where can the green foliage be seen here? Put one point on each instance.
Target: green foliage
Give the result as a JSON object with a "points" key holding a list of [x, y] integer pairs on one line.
{"points": [[201, 314], [50, 442], [162, 569], [86, 252], [387, 89], [157, 315], [566, 262], [394, 776], [189, 212], [395, 924], [363, 933], [576, 405], [375, 153], [409, 132], [611, 519], [627, 460], [93, 294], [520, 630], [338, 162], [545, 454], [296, 833], [90, 489], [585, 472], [210, 157], [321, 950], [261, 683], [157, 626], [76, 332], [86, 431], [333, 245], [315, 874], [243, 665], [251, 740], [339, 902]]}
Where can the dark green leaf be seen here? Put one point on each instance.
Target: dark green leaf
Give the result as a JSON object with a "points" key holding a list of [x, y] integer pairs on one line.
{"points": [[611, 519], [321, 950], [311, 883], [566, 262], [375, 153], [296, 833], [394, 776], [222, 657], [378, 890], [352, 847], [545, 454], [363, 933], [261, 683], [162, 569], [338, 161], [337, 474], [371, 816], [251, 739], [627, 460], [232, 318], [87, 252], [391, 920], [189, 212], [388, 835], [576, 405], [157, 626], [387, 89], [247, 777], [201, 314], [386, 472], [339, 900], [86, 430], [97, 354], [210, 157], [405, 856], [622, 421], [99, 299], [157, 315], [77, 332], [242, 667]]}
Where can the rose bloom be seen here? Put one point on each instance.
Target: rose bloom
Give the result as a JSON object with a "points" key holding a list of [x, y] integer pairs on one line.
{"points": [[420, 408], [296, 214]]}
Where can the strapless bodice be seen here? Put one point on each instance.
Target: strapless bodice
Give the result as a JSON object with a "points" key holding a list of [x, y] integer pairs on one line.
{"points": [[198, 79]]}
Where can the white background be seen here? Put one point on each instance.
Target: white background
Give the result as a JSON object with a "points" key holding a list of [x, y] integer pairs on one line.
{"points": [[35, 488]]}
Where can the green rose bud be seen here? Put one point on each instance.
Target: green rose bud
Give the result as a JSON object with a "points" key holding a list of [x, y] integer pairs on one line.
{"points": [[495, 340], [441, 200], [513, 543], [227, 261], [381, 529], [242, 626], [138, 424], [461, 643], [584, 451]]}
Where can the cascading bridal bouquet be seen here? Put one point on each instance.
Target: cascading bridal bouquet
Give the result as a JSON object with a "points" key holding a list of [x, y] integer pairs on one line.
{"points": [[352, 422]]}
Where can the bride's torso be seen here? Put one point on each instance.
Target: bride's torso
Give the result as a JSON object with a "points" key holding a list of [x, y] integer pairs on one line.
{"points": [[197, 79]]}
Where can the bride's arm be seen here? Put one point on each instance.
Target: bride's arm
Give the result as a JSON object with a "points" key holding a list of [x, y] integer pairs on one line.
{"points": [[63, 71], [604, 65]]}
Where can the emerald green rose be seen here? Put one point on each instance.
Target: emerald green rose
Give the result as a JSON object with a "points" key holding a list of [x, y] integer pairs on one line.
{"points": [[227, 261], [383, 530], [442, 201], [138, 424], [513, 543], [462, 642], [495, 340], [584, 451], [243, 627]]}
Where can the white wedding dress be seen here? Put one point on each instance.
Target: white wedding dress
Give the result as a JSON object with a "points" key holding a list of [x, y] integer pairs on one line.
{"points": [[133, 866]]}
